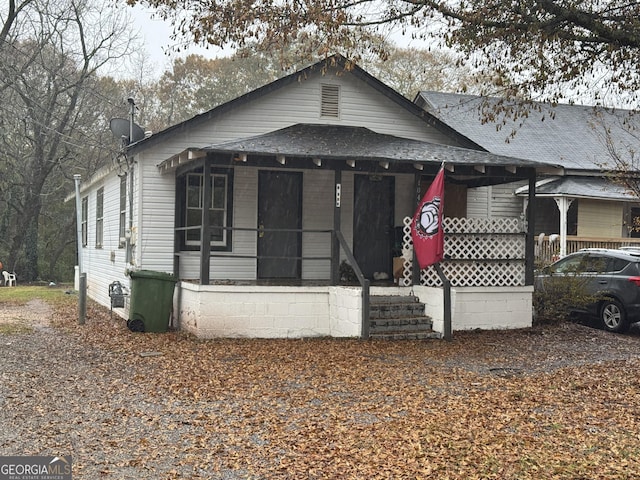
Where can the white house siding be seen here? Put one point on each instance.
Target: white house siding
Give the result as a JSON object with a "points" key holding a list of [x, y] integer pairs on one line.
{"points": [[107, 264], [478, 202], [504, 202], [346, 210], [599, 218], [317, 203], [299, 102], [495, 201], [155, 217]]}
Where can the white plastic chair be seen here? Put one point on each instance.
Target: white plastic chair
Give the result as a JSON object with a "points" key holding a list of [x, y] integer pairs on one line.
{"points": [[9, 278]]}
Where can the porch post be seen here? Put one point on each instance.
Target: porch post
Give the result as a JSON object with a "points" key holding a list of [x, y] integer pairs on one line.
{"points": [[205, 232], [415, 268], [531, 227], [563, 204], [335, 243]]}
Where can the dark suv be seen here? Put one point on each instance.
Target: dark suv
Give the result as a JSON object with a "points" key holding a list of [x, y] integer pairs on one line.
{"points": [[611, 276]]}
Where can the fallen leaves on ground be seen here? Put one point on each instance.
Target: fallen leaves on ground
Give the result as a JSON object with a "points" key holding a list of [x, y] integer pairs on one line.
{"points": [[558, 402]]}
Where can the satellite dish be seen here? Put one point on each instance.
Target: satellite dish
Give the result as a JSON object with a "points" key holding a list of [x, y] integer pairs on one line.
{"points": [[121, 127]]}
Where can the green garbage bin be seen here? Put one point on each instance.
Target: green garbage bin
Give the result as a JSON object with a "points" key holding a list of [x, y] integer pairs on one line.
{"points": [[151, 301]]}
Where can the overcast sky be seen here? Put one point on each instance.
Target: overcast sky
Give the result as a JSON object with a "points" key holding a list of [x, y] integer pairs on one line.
{"points": [[156, 36]]}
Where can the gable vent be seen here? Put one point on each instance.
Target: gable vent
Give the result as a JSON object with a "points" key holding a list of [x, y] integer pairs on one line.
{"points": [[330, 101]]}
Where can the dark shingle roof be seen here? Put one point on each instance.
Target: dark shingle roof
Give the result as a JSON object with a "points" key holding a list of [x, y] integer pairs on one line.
{"points": [[569, 135], [359, 143]]}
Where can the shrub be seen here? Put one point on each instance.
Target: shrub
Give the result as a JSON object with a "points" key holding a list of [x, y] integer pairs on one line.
{"points": [[561, 298]]}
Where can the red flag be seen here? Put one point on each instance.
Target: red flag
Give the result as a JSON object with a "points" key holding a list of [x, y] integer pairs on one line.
{"points": [[426, 226]]}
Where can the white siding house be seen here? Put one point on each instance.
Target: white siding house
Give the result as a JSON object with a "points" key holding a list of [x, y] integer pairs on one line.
{"points": [[330, 150]]}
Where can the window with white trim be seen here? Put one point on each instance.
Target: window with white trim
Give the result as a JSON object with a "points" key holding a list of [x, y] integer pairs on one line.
{"points": [[99, 216], [219, 209], [85, 220], [122, 231]]}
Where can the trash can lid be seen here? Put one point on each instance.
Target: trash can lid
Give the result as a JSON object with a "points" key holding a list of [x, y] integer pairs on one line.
{"points": [[153, 274]]}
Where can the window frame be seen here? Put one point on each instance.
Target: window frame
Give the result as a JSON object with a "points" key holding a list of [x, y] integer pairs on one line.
{"points": [[122, 229], [183, 201], [100, 217], [85, 221]]}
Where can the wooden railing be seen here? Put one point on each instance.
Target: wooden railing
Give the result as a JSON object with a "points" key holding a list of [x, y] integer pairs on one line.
{"points": [[547, 252]]}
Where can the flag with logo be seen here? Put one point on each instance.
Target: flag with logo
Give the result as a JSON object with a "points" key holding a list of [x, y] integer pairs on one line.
{"points": [[426, 227]]}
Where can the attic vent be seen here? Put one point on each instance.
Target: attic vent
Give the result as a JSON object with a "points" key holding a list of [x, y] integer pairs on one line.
{"points": [[330, 106]]}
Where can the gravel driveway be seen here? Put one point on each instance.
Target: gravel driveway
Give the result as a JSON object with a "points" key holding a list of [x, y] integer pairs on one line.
{"points": [[133, 406]]}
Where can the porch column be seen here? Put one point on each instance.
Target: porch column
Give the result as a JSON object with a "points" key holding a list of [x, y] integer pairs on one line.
{"points": [[531, 227], [563, 204], [205, 232], [415, 269]]}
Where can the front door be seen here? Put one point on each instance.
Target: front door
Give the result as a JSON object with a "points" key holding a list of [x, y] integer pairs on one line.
{"points": [[373, 223], [279, 208]]}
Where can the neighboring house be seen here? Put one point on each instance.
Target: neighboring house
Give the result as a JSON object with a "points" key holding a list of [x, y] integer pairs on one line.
{"points": [[287, 182], [583, 207]]}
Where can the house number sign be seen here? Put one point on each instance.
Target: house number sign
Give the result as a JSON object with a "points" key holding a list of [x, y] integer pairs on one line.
{"points": [[338, 190]]}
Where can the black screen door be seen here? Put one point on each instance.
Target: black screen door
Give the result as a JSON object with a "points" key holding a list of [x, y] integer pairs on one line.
{"points": [[373, 223], [280, 208]]}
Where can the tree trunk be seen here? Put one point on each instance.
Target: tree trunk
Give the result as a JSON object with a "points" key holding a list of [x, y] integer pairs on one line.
{"points": [[23, 253]]}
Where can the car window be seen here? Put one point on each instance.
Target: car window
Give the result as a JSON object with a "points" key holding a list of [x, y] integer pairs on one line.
{"points": [[617, 264], [567, 264], [594, 264]]}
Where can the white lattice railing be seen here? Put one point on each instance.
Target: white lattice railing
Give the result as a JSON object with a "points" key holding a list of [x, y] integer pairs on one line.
{"points": [[478, 252]]}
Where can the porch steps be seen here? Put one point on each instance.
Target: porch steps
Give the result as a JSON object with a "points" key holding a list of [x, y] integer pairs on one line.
{"points": [[399, 317]]}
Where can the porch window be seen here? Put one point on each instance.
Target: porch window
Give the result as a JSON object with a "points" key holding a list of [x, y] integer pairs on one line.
{"points": [[219, 209], [85, 217], [123, 212], [99, 216]]}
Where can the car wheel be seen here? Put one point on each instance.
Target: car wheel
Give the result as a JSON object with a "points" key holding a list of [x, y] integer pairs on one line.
{"points": [[613, 316]]}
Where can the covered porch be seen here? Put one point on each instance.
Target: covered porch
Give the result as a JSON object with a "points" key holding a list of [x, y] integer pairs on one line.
{"points": [[305, 223], [576, 212]]}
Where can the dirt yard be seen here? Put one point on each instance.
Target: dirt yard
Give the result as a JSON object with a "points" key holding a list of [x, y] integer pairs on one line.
{"points": [[546, 403]]}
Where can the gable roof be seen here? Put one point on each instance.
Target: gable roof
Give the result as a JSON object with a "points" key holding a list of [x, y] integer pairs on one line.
{"points": [[334, 61], [576, 137]]}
